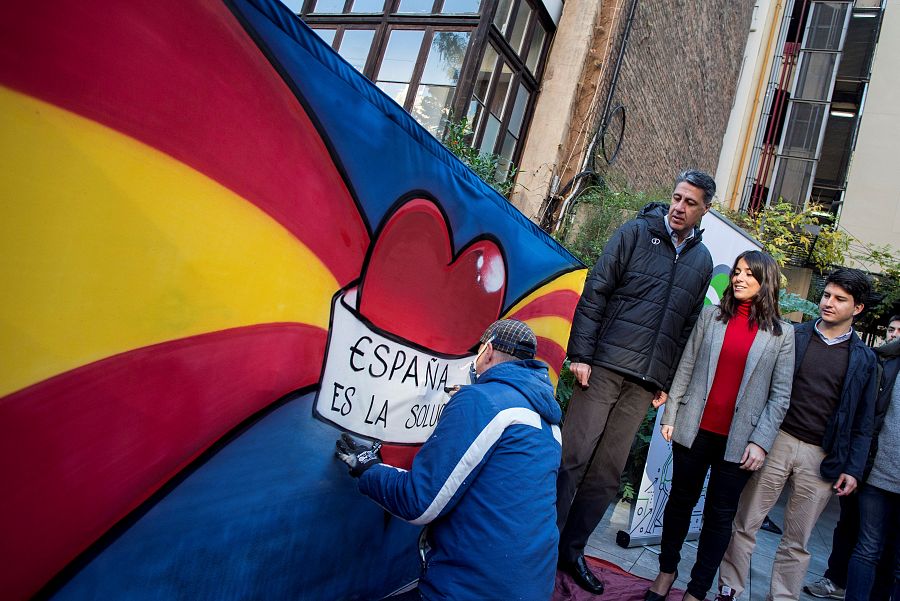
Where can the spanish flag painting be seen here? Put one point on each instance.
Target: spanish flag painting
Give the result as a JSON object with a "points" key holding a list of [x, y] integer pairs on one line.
{"points": [[220, 247]]}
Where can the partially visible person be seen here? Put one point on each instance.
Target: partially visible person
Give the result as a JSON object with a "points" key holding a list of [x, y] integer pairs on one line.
{"points": [[893, 329], [879, 497], [484, 481], [639, 304], [729, 395], [833, 584], [822, 445]]}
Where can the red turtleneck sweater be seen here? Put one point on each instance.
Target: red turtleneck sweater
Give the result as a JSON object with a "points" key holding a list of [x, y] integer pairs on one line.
{"points": [[739, 335]]}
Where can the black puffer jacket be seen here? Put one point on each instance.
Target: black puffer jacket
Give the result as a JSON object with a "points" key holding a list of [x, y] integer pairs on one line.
{"points": [[640, 301]]}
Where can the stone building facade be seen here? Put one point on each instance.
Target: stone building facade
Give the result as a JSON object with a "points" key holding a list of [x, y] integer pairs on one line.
{"points": [[677, 81]]}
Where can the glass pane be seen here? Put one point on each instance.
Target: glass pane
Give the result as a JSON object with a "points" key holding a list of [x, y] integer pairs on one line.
{"points": [[445, 57], [534, 51], [326, 34], [498, 100], [518, 30], [815, 75], [792, 180], [483, 79], [432, 107], [294, 5], [400, 55], [415, 6], [505, 162], [518, 112], [491, 130], [804, 128], [859, 45], [460, 7], [501, 18], [397, 91], [355, 46], [329, 6], [476, 110], [826, 24], [367, 6]]}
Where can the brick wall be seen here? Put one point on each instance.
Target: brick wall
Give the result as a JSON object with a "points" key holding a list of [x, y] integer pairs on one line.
{"points": [[677, 85]]}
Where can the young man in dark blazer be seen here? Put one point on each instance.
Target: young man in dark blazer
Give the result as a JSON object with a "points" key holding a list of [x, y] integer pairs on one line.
{"points": [[823, 442], [833, 583]]}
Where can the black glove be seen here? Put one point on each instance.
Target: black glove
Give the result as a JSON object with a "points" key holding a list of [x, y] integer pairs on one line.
{"points": [[359, 457]]}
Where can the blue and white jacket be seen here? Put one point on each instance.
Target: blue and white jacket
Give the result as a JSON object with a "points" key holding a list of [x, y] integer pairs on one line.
{"points": [[486, 482]]}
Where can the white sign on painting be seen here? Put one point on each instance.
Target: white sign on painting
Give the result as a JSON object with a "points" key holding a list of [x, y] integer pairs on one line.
{"points": [[377, 386]]}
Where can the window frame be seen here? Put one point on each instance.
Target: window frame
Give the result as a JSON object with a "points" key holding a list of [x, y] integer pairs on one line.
{"points": [[483, 32]]}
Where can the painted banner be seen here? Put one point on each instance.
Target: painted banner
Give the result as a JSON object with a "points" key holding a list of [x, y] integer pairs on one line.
{"points": [[206, 214], [725, 242], [381, 387]]}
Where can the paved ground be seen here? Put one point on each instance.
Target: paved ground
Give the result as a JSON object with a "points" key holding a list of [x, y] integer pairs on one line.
{"points": [[642, 561]]}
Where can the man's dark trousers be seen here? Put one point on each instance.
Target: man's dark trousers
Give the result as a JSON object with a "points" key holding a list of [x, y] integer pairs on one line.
{"points": [[843, 540], [598, 430], [878, 526], [846, 534]]}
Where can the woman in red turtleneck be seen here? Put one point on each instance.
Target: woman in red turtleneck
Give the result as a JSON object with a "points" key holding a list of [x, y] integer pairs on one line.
{"points": [[729, 395]]}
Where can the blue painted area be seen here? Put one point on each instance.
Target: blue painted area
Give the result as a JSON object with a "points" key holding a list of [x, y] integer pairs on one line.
{"points": [[272, 515], [386, 155]]}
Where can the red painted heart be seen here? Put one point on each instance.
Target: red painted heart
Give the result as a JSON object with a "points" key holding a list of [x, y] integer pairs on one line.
{"points": [[414, 288]]}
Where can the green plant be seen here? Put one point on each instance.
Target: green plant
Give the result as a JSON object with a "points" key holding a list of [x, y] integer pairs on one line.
{"points": [[884, 261], [599, 210], [794, 236], [788, 302], [494, 169], [565, 386], [810, 237]]}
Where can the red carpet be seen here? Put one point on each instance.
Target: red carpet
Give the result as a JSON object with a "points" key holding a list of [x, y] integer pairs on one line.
{"points": [[620, 585]]}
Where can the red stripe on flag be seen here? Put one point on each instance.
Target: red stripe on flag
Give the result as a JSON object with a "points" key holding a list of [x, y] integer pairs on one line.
{"points": [[184, 78], [81, 450], [550, 353], [559, 303]]}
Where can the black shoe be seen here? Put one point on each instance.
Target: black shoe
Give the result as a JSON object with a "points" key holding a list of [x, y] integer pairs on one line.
{"points": [[651, 596], [582, 575]]}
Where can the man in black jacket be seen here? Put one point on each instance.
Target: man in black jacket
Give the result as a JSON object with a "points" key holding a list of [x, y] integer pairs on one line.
{"points": [[634, 317], [823, 443]]}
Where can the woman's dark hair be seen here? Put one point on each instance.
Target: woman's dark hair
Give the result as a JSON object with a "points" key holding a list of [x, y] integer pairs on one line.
{"points": [[764, 306]]}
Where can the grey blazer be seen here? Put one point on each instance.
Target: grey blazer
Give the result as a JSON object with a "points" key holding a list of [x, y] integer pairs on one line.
{"points": [[763, 397]]}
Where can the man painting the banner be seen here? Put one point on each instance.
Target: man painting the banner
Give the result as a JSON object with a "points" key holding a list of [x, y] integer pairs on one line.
{"points": [[632, 322], [483, 480]]}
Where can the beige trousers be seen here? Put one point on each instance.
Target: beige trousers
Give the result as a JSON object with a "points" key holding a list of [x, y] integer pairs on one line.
{"points": [[789, 461]]}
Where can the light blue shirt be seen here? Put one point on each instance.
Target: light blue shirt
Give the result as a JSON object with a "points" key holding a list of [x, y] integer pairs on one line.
{"points": [[674, 236], [831, 341]]}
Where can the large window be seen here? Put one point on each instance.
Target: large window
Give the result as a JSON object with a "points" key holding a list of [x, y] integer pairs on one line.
{"points": [[810, 103], [480, 59], [506, 80]]}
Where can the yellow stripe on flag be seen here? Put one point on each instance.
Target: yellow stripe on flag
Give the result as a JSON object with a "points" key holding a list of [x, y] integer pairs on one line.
{"points": [[108, 245]]}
